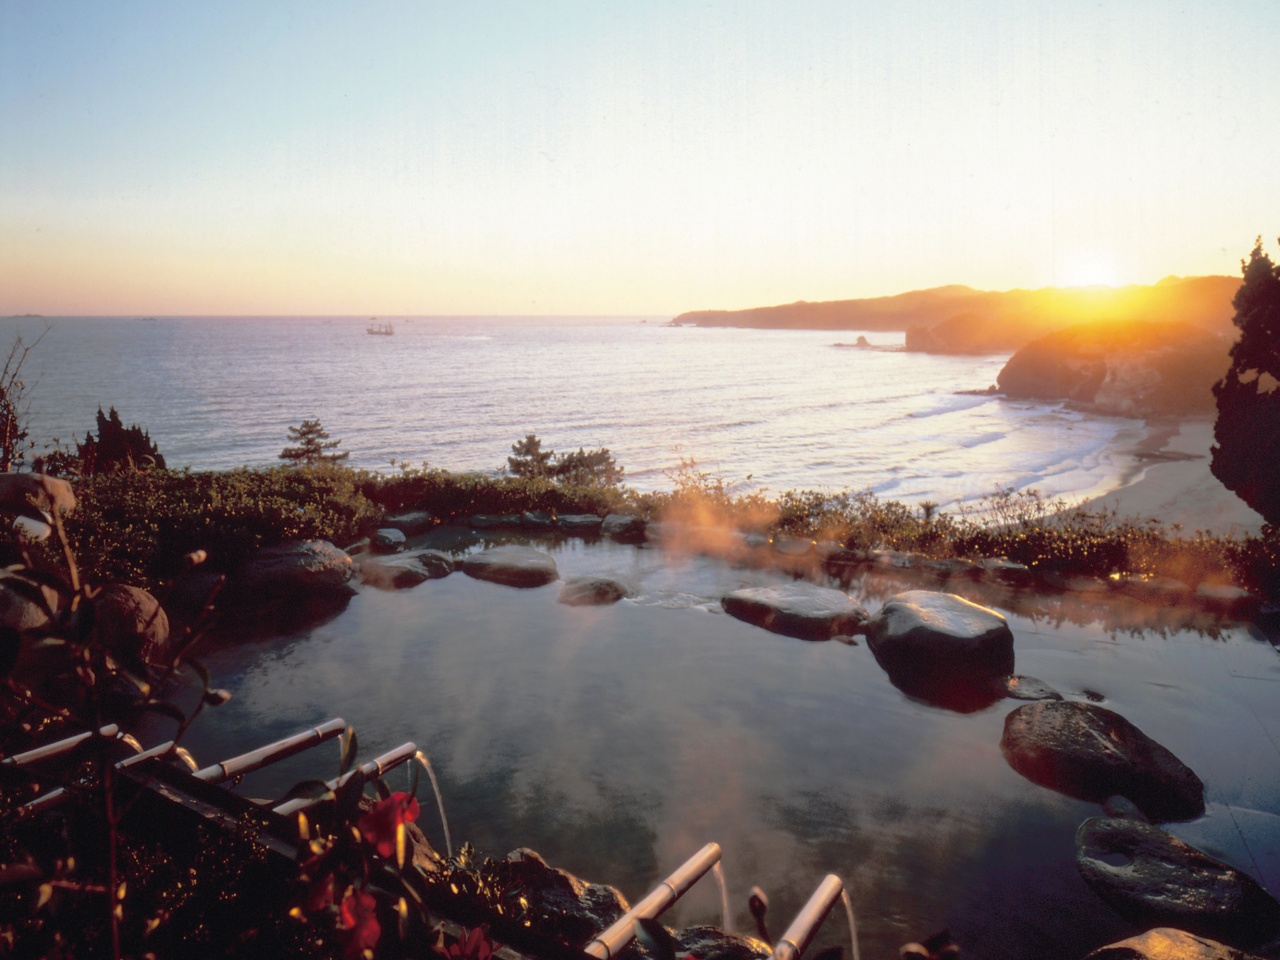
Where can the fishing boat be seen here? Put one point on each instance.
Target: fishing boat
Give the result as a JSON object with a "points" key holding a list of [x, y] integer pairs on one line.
{"points": [[379, 329]]}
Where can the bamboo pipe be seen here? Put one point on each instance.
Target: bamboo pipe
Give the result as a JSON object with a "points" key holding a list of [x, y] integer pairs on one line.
{"points": [[257, 759], [377, 767], [613, 940], [801, 932]]}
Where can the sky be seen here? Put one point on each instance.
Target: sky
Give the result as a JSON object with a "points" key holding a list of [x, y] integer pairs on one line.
{"points": [[601, 157]]}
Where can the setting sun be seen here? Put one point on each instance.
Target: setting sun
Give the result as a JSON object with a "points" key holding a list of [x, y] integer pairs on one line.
{"points": [[1087, 270]]}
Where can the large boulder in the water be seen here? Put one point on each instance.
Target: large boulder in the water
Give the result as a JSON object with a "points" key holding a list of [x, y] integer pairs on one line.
{"points": [[514, 566], [942, 649], [1154, 878], [797, 610], [929, 632], [1166, 943], [1089, 752], [560, 906], [391, 573], [591, 592], [388, 540]]}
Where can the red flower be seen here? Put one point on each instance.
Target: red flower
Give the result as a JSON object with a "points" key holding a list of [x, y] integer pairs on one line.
{"points": [[358, 919], [473, 945], [380, 824]]}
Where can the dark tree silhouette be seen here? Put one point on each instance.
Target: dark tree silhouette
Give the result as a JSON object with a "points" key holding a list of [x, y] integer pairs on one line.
{"points": [[583, 467], [117, 448], [1246, 453], [313, 446], [530, 459]]}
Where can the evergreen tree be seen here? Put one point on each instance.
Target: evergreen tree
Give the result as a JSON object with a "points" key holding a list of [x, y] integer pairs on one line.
{"points": [[1247, 432], [530, 459], [313, 446], [117, 448]]}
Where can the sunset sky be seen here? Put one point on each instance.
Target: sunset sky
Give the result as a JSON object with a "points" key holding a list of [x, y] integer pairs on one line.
{"points": [[588, 156]]}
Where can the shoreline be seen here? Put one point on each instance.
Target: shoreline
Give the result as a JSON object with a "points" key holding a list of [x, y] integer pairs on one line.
{"points": [[1168, 478]]}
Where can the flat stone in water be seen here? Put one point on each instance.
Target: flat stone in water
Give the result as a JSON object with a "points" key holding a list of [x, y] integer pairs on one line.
{"points": [[436, 563], [1154, 878], [1091, 753], [581, 524], [591, 591], [624, 528], [797, 610], [514, 566], [388, 540]]}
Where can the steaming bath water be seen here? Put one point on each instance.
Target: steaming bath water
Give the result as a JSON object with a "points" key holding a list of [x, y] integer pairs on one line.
{"points": [[787, 409], [616, 741]]}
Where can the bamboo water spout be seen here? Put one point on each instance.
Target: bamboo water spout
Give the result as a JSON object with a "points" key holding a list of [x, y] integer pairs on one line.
{"points": [[257, 759], [622, 932], [792, 944]]}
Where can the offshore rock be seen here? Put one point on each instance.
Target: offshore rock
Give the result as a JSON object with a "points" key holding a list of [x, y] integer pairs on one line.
{"points": [[591, 591], [514, 566], [1154, 878], [1166, 943], [1089, 752], [712, 943], [570, 910], [624, 528], [797, 610]]}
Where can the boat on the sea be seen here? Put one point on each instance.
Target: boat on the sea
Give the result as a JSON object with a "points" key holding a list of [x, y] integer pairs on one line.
{"points": [[379, 329]]}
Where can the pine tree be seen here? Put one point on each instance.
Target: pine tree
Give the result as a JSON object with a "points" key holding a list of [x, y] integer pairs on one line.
{"points": [[1247, 431], [530, 459], [314, 447]]}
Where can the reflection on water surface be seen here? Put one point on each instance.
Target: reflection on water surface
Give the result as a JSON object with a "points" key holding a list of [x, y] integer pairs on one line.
{"points": [[617, 740]]}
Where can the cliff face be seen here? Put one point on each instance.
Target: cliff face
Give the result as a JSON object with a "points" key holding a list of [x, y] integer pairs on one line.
{"points": [[959, 319], [1133, 369]]}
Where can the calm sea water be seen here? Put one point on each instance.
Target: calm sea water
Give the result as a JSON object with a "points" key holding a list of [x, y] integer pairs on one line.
{"points": [[771, 408]]}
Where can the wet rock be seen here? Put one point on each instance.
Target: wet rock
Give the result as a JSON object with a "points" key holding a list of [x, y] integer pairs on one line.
{"points": [[391, 574], [591, 591], [929, 632], [412, 522], [561, 906], [797, 610], [1004, 570], [712, 943], [1019, 687], [496, 521], [131, 624], [579, 524], [794, 547], [436, 564], [388, 540], [1091, 753], [1154, 878], [515, 566], [538, 521], [1166, 943], [624, 528], [953, 568], [289, 569]]}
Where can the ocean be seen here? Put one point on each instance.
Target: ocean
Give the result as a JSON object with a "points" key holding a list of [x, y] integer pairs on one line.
{"points": [[772, 409]]}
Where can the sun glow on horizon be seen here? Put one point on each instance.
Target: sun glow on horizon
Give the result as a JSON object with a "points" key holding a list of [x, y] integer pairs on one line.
{"points": [[1087, 269]]}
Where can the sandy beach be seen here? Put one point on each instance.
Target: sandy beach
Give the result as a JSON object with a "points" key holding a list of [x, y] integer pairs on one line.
{"points": [[1171, 481]]}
